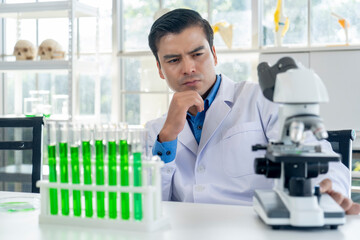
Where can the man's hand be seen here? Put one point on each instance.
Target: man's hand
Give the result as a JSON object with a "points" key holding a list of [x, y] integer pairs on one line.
{"points": [[346, 203], [175, 121]]}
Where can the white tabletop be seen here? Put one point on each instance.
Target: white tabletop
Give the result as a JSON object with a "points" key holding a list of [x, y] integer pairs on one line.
{"points": [[186, 221]]}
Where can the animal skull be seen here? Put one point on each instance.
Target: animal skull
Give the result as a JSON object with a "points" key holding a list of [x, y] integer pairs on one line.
{"points": [[50, 49], [24, 50]]}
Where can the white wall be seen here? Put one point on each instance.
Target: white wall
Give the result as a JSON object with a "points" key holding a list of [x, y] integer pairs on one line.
{"points": [[340, 71]]}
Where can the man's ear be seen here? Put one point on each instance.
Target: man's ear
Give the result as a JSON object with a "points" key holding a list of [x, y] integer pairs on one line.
{"points": [[214, 55], [160, 72]]}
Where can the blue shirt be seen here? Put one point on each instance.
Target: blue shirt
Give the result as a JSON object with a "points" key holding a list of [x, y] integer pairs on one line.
{"points": [[167, 150]]}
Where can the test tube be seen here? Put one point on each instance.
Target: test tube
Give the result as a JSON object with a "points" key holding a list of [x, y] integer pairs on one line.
{"points": [[86, 154], [124, 170], [137, 183], [75, 166], [51, 134], [100, 175], [138, 141], [64, 175], [111, 139]]}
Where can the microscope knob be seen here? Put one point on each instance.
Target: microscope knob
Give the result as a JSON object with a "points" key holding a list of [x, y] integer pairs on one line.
{"points": [[260, 166], [259, 147], [317, 192]]}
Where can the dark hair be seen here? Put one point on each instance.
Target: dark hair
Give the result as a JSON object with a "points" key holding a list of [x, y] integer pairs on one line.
{"points": [[175, 22]]}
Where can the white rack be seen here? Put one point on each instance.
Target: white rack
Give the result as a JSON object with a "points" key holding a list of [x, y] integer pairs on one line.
{"points": [[46, 65], [151, 202], [70, 9]]}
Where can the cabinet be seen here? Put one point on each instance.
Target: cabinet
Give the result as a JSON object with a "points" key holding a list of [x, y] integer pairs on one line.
{"points": [[70, 9]]}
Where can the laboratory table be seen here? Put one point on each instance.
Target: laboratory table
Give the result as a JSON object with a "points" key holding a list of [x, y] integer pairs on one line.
{"points": [[187, 221]]}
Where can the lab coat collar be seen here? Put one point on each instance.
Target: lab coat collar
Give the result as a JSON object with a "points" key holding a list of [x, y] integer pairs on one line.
{"points": [[187, 138], [217, 112]]}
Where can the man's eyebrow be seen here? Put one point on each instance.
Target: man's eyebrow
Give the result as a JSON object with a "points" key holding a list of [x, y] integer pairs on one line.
{"points": [[196, 49], [169, 56]]}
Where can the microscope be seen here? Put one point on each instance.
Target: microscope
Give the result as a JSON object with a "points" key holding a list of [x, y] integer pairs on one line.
{"points": [[293, 201]]}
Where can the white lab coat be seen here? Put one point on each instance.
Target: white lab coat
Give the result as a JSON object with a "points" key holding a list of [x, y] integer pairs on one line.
{"points": [[220, 169]]}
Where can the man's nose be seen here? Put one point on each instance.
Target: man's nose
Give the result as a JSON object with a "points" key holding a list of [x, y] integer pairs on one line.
{"points": [[188, 66]]}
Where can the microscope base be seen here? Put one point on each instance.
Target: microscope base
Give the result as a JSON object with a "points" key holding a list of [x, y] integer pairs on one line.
{"points": [[273, 211]]}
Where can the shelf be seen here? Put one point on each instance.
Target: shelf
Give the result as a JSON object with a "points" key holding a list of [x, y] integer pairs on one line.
{"points": [[58, 9], [263, 50], [46, 65], [331, 48]]}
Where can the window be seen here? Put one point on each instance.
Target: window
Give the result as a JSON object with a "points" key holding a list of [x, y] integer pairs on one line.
{"points": [[296, 11], [325, 28]]}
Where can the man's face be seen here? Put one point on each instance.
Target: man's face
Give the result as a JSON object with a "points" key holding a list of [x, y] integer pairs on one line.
{"points": [[186, 61]]}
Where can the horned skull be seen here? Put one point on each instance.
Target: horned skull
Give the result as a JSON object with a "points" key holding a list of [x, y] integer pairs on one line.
{"points": [[24, 50], [50, 49]]}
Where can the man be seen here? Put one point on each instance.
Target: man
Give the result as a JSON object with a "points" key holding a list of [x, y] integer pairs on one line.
{"points": [[206, 137]]}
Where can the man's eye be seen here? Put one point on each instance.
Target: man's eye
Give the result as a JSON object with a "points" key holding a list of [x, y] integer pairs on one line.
{"points": [[173, 60], [198, 54]]}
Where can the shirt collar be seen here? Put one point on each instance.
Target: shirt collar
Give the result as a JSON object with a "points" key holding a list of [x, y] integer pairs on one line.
{"points": [[211, 96]]}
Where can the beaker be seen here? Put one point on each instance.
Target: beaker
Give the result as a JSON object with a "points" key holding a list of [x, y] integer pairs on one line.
{"points": [[31, 107], [44, 106]]}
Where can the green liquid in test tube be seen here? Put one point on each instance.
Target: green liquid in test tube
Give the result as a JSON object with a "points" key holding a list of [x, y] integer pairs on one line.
{"points": [[100, 177], [74, 151], [124, 166], [75, 166], [52, 178], [112, 178], [86, 151], [64, 178], [137, 183]]}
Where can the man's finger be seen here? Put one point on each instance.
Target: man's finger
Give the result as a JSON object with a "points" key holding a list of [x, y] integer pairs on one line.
{"points": [[338, 197], [355, 209], [325, 185], [346, 204]]}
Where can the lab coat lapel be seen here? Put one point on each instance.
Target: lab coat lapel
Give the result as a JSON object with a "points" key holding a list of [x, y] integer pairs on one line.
{"points": [[218, 111], [186, 137]]}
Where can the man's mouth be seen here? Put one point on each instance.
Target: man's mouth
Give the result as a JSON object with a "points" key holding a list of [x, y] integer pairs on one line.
{"points": [[191, 83]]}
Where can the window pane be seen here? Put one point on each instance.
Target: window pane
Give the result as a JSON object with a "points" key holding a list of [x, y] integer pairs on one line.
{"points": [[140, 108], [86, 94], [199, 6], [105, 30], [9, 93], [296, 11], [325, 28], [141, 74], [27, 31], [236, 13], [56, 29], [237, 67], [106, 91], [87, 28], [10, 36], [19, 85], [138, 18]]}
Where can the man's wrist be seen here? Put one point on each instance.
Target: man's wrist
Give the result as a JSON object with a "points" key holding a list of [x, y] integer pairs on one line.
{"points": [[164, 136]]}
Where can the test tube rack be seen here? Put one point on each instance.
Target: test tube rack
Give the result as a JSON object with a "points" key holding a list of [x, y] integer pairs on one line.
{"points": [[150, 190]]}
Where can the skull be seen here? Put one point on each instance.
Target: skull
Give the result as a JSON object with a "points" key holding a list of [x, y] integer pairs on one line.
{"points": [[24, 50], [50, 49]]}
